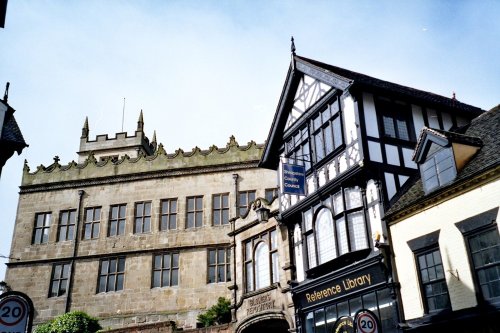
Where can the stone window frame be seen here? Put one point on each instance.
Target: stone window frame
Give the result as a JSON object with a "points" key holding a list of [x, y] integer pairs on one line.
{"points": [[67, 225], [41, 229], [221, 267], [59, 279], [119, 220], [112, 273], [270, 194], [268, 238], [168, 215], [169, 268], [475, 226], [220, 212], [195, 212], [245, 198], [142, 217], [422, 247], [92, 224]]}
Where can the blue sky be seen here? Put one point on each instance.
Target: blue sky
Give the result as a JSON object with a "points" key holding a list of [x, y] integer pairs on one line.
{"points": [[205, 70]]}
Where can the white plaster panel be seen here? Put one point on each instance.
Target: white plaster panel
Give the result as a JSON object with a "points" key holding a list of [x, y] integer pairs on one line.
{"points": [[447, 121], [402, 179], [375, 151], [322, 176], [392, 155], [371, 191], [332, 170], [418, 119], [390, 184], [370, 115], [351, 131], [433, 118], [407, 156], [311, 187], [342, 163]]}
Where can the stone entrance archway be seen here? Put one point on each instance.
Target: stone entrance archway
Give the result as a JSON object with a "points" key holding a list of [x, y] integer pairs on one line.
{"points": [[275, 323]]}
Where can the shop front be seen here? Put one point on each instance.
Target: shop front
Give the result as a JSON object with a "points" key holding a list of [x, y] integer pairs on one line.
{"points": [[334, 302]]}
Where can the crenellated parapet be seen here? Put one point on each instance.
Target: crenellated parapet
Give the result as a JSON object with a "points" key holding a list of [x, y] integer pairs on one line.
{"points": [[118, 146], [160, 164]]}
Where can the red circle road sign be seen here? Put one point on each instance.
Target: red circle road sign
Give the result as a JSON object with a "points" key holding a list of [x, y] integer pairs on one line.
{"points": [[366, 323], [12, 311]]}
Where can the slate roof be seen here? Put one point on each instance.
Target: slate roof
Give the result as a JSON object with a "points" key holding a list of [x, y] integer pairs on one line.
{"points": [[369, 81], [11, 134], [486, 127]]}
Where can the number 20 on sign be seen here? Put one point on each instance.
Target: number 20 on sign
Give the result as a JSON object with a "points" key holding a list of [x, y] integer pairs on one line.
{"points": [[14, 315], [366, 322]]}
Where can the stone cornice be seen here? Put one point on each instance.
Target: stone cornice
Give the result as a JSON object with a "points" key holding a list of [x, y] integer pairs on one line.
{"points": [[160, 164], [134, 177]]}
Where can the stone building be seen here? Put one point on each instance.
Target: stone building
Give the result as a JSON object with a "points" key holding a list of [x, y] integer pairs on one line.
{"points": [[261, 292], [131, 234], [445, 232], [341, 143]]}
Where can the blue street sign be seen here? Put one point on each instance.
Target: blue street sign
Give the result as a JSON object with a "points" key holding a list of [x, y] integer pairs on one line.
{"points": [[294, 179]]}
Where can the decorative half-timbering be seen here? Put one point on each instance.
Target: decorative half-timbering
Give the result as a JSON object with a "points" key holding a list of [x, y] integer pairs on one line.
{"points": [[353, 136]]}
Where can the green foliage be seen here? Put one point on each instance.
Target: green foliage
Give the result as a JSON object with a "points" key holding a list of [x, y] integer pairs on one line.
{"points": [[44, 328], [71, 322], [218, 314]]}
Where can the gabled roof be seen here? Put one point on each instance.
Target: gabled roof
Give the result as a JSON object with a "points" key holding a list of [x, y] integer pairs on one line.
{"points": [[485, 127], [343, 79]]}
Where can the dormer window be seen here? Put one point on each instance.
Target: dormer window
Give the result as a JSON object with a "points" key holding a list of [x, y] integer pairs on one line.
{"points": [[438, 169], [441, 155]]}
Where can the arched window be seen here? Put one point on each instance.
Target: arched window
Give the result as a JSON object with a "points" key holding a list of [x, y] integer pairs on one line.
{"points": [[261, 266], [337, 228], [262, 273], [325, 237]]}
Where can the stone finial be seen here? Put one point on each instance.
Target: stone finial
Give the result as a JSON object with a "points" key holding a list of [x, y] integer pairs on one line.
{"points": [[6, 94], [154, 144], [140, 123], [26, 168], [85, 129], [161, 150], [91, 158], [56, 159], [232, 142], [292, 47]]}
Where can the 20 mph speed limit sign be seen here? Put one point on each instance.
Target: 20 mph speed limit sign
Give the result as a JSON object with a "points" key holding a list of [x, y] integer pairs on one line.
{"points": [[15, 313], [366, 322]]}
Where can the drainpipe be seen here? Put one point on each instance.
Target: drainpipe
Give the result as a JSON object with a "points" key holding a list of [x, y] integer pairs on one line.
{"points": [[233, 227], [75, 249]]}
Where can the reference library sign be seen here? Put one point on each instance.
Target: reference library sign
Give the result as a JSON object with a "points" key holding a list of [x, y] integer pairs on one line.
{"points": [[341, 286]]}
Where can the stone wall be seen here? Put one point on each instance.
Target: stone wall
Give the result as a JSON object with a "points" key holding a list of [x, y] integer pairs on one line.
{"points": [[138, 303]]}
